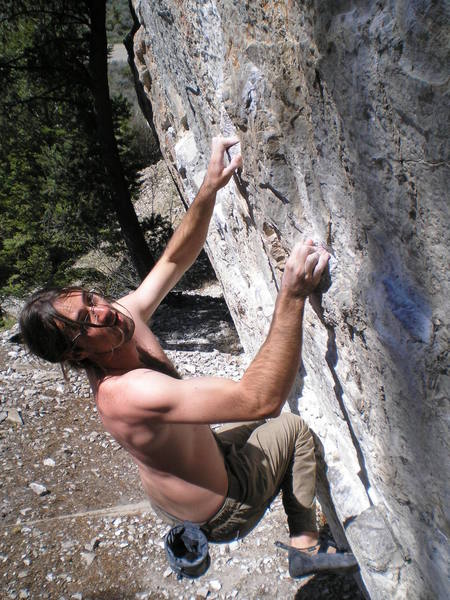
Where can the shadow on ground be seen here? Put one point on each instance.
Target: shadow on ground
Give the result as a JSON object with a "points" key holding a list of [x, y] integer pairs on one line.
{"points": [[330, 587], [194, 322]]}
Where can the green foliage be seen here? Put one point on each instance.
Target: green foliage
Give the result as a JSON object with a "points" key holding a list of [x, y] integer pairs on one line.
{"points": [[118, 20], [157, 230], [141, 141], [6, 321], [55, 200], [50, 188]]}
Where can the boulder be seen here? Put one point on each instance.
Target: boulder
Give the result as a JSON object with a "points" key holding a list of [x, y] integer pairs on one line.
{"points": [[342, 112]]}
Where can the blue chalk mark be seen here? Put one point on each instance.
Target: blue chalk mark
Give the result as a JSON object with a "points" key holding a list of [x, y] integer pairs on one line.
{"points": [[413, 312]]}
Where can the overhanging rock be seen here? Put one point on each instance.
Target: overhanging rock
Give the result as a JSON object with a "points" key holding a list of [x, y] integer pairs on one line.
{"points": [[342, 112]]}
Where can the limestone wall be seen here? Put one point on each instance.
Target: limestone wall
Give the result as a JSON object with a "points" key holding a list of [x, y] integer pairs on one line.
{"points": [[342, 112]]}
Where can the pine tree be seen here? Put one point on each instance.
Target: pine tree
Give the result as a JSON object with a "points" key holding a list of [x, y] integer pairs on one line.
{"points": [[61, 175]]}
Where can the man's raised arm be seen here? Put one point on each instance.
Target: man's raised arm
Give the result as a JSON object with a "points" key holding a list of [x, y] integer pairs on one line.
{"points": [[266, 383], [189, 238]]}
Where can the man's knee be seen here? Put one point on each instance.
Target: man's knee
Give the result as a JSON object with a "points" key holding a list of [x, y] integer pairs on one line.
{"points": [[301, 436], [297, 424]]}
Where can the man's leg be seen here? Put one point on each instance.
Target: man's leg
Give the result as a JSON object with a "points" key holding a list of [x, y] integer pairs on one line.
{"points": [[289, 448], [237, 433], [258, 456], [279, 452], [298, 488]]}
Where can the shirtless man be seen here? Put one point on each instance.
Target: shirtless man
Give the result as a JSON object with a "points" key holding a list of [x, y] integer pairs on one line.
{"points": [[188, 472]]}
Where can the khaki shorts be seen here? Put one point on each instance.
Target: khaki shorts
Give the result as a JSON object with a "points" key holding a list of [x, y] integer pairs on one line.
{"points": [[262, 458]]}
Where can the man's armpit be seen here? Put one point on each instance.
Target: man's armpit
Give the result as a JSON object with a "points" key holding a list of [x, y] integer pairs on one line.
{"points": [[166, 368]]}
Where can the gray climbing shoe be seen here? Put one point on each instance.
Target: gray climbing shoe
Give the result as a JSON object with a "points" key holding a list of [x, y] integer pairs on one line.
{"points": [[303, 563]]}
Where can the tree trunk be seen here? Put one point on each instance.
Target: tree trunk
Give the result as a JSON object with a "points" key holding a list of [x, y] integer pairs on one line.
{"points": [[98, 68]]}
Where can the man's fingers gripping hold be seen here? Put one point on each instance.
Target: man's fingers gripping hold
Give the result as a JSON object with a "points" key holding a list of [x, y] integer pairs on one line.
{"points": [[304, 268], [218, 175], [236, 163], [321, 265], [310, 263], [223, 143]]}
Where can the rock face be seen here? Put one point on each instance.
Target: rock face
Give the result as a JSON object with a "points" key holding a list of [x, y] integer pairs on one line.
{"points": [[342, 113]]}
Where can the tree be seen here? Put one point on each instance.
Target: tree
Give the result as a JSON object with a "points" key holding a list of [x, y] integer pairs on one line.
{"points": [[98, 70], [54, 170]]}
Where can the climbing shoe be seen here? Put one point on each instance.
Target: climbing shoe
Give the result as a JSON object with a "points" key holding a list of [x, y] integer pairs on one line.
{"points": [[187, 550], [304, 562]]}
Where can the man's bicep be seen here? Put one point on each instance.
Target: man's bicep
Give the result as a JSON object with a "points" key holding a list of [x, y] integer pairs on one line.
{"points": [[160, 398]]}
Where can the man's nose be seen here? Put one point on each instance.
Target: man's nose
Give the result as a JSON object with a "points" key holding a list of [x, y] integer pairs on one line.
{"points": [[99, 314]]}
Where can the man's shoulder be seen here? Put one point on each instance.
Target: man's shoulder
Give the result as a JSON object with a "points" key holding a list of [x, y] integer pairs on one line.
{"points": [[122, 416], [127, 394], [113, 386]]}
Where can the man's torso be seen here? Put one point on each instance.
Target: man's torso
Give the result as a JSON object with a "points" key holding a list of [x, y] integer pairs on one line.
{"points": [[181, 466]]}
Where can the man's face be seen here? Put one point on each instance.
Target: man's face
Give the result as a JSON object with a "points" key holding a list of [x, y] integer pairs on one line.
{"points": [[102, 329]]}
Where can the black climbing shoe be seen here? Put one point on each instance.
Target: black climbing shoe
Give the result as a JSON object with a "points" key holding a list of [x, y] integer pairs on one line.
{"points": [[303, 563], [187, 550]]}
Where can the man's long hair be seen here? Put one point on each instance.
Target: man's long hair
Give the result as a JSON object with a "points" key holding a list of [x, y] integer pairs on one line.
{"points": [[40, 325], [50, 335]]}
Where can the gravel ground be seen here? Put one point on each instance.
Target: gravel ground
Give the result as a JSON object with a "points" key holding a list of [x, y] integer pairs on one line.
{"points": [[74, 521]]}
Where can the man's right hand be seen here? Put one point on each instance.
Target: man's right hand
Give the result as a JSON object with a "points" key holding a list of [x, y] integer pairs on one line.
{"points": [[218, 174], [304, 269]]}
